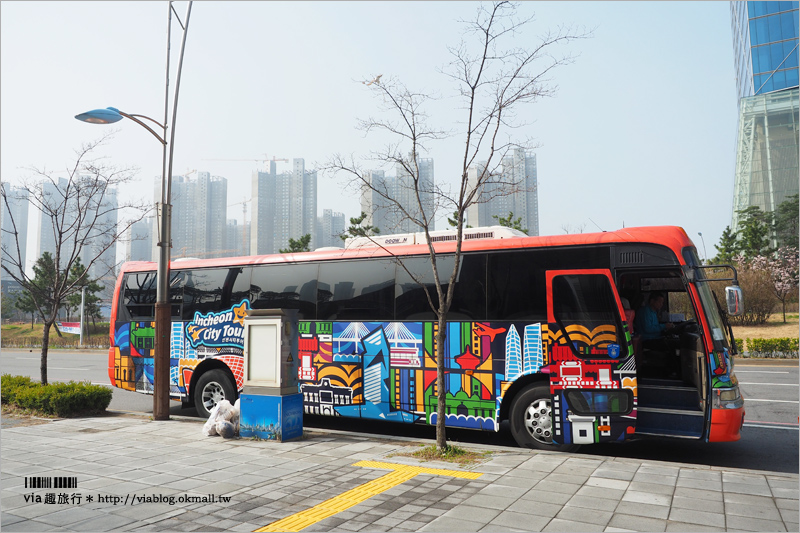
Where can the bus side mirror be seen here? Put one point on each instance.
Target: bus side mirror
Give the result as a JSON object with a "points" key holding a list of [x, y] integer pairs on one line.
{"points": [[733, 295]]}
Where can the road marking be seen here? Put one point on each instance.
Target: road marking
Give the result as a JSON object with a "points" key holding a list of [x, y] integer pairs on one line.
{"points": [[399, 474], [761, 371], [778, 401], [769, 427], [770, 384], [776, 423]]}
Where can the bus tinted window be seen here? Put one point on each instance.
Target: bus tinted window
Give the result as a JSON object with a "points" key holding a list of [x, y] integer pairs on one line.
{"points": [[285, 287], [469, 299], [139, 298], [356, 290], [203, 291], [516, 287], [410, 300], [587, 300]]}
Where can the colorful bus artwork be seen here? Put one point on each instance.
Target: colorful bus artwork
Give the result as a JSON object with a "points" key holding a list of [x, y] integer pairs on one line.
{"points": [[541, 333]]}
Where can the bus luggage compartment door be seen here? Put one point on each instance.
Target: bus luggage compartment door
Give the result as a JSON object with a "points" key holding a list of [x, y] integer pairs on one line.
{"points": [[590, 355]]}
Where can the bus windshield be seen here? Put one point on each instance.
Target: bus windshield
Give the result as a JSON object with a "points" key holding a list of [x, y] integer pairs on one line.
{"points": [[715, 321]]}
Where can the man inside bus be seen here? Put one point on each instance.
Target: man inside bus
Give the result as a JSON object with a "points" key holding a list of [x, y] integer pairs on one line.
{"points": [[647, 323], [652, 331]]}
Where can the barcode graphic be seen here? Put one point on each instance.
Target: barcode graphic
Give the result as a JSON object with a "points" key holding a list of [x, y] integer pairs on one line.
{"points": [[45, 482]]}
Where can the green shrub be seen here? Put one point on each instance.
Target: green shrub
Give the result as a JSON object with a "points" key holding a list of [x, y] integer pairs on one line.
{"points": [[784, 347], [60, 399], [9, 385]]}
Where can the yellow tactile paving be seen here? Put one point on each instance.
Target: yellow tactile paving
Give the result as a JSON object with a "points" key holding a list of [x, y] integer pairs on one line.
{"points": [[399, 474]]}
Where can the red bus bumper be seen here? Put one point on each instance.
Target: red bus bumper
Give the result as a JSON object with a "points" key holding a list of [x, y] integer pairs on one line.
{"points": [[726, 425]]}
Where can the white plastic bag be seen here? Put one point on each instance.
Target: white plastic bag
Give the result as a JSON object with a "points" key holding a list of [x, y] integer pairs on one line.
{"points": [[209, 428], [225, 410]]}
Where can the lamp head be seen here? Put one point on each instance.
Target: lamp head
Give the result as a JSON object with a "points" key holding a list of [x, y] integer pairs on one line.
{"points": [[108, 115]]}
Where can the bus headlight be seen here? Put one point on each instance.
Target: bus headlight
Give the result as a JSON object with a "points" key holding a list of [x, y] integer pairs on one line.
{"points": [[727, 398]]}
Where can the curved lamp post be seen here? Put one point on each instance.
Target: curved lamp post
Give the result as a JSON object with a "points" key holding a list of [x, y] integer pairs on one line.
{"points": [[705, 255], [109, 115]]}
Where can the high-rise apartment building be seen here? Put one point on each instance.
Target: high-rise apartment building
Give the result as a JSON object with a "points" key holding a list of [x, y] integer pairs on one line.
{"points": [[237, 240], [515, 191], [385, 214], [101, 248], [765, 41], [140, 240], [331, 226], [199, 215], [57, 232], [284, 207], [14, 228]]}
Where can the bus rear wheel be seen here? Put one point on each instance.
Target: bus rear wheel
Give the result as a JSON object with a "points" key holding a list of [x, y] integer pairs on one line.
{"points": [[532, 420], [211, 388]]}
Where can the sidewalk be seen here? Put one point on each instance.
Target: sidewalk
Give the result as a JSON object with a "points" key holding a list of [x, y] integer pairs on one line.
{"points": [[135, 474]]}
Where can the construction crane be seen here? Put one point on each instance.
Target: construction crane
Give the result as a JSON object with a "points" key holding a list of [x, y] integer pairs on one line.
{"points": [[189, 172], [244, 222], [253, 159]]}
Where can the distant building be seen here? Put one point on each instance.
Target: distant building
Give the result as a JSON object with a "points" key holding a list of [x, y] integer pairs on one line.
{"points": [[14, 228], [237, 240], [765, 42], [385, 214], [515, 190], [199, 215], [99, 247], [331, 226], [140, 240], [284, 207]]}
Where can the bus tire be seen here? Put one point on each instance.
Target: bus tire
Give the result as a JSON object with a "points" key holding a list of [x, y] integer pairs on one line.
{"points": [[211, 388], [531, 420]]}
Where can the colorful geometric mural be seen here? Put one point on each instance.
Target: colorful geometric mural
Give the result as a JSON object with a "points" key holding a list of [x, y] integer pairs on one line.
{"points": [[387, 370]]}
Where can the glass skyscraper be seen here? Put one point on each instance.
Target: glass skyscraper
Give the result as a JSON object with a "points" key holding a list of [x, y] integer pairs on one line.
{"points": [[765, 41], [765, 46]]}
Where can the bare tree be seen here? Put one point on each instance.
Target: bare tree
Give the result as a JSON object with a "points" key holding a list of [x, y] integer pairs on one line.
{"points": [[82, 215], [494, 79]]}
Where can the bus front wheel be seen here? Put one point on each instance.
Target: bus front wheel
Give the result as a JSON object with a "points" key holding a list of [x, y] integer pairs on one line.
{"points": [[211, 388], [532, 420]]}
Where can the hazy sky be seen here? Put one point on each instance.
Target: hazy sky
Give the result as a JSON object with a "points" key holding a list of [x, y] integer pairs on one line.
{"points": [[641, 132]]}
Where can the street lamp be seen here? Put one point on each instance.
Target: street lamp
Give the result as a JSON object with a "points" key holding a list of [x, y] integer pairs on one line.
{"points": [[705, 255], [161, 363]]}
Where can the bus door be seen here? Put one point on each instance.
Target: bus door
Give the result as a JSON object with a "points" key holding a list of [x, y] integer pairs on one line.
{"points": [[591, 364]]}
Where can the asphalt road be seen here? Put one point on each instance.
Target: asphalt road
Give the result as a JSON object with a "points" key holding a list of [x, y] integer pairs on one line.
{"points": [[770, 438]]}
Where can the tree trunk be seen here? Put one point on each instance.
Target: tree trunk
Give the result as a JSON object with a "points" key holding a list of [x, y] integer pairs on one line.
{"points": [[441, 437], [45, 345], [59, 332]]}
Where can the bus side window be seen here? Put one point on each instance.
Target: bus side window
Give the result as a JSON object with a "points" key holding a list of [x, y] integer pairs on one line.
{"points": [[516, 287], [285, 287], [203, 291], [356, 290], [410, 300], [139, 297], [587, 301]]}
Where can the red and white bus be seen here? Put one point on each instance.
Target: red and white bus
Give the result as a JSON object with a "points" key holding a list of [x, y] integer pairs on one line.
{"points": [[539, 334]]}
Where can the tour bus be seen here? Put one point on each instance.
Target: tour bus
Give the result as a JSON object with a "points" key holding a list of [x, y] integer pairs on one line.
{"points": [[542, 333]]}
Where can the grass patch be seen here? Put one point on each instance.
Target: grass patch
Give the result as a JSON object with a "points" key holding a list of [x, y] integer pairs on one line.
{"points": [[451, 454]]}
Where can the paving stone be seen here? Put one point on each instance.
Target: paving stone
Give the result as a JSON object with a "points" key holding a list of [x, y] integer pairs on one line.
{"points": [[754, 524], [637, 522], [681, 502], [691, 516], [568, 526], [683, 527], [449, 524], [520, 521], [647, 497]]}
